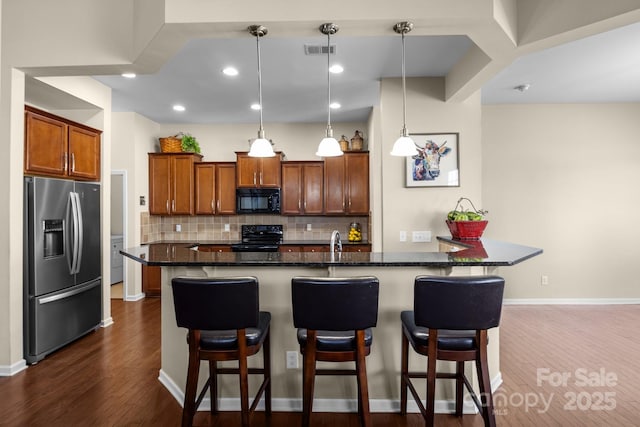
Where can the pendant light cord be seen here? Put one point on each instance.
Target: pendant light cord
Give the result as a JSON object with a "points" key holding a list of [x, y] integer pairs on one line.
{"points": [[404, 93], [261, 130], [328, 81]]}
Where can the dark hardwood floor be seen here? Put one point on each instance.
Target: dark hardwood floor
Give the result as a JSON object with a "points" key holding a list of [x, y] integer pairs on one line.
{"points": [[561, 366]]}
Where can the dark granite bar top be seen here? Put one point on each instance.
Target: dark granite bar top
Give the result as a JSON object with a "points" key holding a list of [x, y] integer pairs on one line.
{"points": [[483, 252], [286, 242]]}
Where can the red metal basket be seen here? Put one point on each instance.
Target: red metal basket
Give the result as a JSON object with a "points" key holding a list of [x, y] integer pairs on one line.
{"points": [[471, 230]]}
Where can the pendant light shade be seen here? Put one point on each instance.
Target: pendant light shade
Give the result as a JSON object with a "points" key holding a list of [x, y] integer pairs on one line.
{"points": [[261, 147], [404, 146], [329, 146]]}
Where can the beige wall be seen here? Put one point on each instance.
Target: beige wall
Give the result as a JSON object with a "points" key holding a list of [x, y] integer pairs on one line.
{"points": [[423, 208], [564, 178]]}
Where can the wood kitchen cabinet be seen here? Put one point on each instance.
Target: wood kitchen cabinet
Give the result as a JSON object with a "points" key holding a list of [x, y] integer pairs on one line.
{"points": [[258, 172], [60, 148], [346, 184], [171, 183], [215, 188], [356, 248], [151, 280], [214, 248], [302, 188]]}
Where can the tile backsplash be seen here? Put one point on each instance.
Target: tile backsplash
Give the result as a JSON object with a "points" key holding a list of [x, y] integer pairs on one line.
{"points": [[209, 227]]}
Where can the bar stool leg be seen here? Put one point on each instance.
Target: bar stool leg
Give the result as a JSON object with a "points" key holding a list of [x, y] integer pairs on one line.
{"points": [[459, 387], [189, 406], [213, 386], [244, 380], [404, 371], [308, 377], [431, 376], [363, 390], [266, 349], [484, 382]]}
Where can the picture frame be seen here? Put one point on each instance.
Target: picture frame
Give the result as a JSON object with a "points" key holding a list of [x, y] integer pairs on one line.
{"points": [[437, 163]]}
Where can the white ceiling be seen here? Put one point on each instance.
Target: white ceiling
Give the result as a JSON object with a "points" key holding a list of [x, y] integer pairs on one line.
{"points": [[600, 68]]}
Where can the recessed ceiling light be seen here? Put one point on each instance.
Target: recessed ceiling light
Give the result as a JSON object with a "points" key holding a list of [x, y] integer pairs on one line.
{"points": [[336, 69], [335, 105], [230, 71], [255, 107], [129, 75], [178, 107]]}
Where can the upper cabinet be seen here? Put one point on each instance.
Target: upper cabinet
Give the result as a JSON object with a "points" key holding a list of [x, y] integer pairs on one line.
{"points": [[61, 148], [258, 172], [302, 188], [171, 183], [346, 184], [215, 188]]}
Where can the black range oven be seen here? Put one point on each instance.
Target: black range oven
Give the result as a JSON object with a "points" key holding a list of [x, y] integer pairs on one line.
{"points": [[259, 238]]}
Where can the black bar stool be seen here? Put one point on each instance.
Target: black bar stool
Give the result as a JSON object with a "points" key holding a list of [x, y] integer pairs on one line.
{"points": [[449, 322], [334, 317], [224, 322]]}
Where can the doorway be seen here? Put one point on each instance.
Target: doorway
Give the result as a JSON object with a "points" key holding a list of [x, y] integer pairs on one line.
{"points": [[118, 233]]}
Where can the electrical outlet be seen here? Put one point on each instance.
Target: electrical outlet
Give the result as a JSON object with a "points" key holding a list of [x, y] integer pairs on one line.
{"points": [[226, 227], [544, 280], [403, 236], [421, 236], [178, 228], [308, 227], [292, 359]]}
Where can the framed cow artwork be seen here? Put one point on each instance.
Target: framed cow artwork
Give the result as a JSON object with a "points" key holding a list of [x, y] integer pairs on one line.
{"points": [[436, 164]]}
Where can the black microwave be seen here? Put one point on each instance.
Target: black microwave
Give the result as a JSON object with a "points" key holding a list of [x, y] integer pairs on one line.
{"points": [[258, 200]]}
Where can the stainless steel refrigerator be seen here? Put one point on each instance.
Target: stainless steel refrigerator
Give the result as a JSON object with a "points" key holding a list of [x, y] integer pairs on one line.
{"points": [[62, 263]]}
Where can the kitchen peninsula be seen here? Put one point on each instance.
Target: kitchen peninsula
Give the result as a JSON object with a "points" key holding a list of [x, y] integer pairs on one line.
{"points": [[274, 270]]}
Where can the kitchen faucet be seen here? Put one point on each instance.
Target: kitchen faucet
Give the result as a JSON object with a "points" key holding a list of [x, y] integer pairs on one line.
{"points": [[335, 238]]}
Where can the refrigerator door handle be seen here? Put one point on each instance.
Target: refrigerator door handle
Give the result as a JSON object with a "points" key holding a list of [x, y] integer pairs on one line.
{"points": [[80, 233], [68, 293], [75, 225]]}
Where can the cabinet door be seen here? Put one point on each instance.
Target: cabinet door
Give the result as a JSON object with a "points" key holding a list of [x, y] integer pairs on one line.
{"points": [[84, 153], [334, 180], [270, 172], [313, 188], [226, 189], [151, 280], [182, 188], [45, 148], [205, 182], [356, 248], [357, 183], [290, 248], [315, 248], [291, 189], [214, 248], [248, 169], [159, 184]]}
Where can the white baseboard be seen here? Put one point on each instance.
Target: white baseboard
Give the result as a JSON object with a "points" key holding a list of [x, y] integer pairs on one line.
{"points": [[107, 322], [327, 405], [10, 370], [570, 301], [136, 297]]}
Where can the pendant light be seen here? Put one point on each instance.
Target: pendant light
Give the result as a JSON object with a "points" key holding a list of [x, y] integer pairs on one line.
{"points": [[404, 146], [329, 146], [261, 147]]}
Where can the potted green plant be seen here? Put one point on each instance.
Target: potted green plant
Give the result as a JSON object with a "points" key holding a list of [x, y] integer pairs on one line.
{"points": [[190, 144]]}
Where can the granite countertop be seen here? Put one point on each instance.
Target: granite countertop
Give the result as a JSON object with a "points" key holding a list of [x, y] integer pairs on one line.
{"points": [[483, 252]]}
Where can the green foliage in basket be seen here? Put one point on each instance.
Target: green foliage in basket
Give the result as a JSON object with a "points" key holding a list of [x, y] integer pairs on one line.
{"points": [[463, 214], [189, 144]]}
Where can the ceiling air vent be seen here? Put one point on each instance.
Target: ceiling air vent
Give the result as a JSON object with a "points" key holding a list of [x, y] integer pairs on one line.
{"points": [[316, 49]]}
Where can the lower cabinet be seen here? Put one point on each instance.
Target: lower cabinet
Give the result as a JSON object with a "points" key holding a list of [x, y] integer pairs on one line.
{"points": [[151, 280], [214, 248], [325, 248], [356, 248]]}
